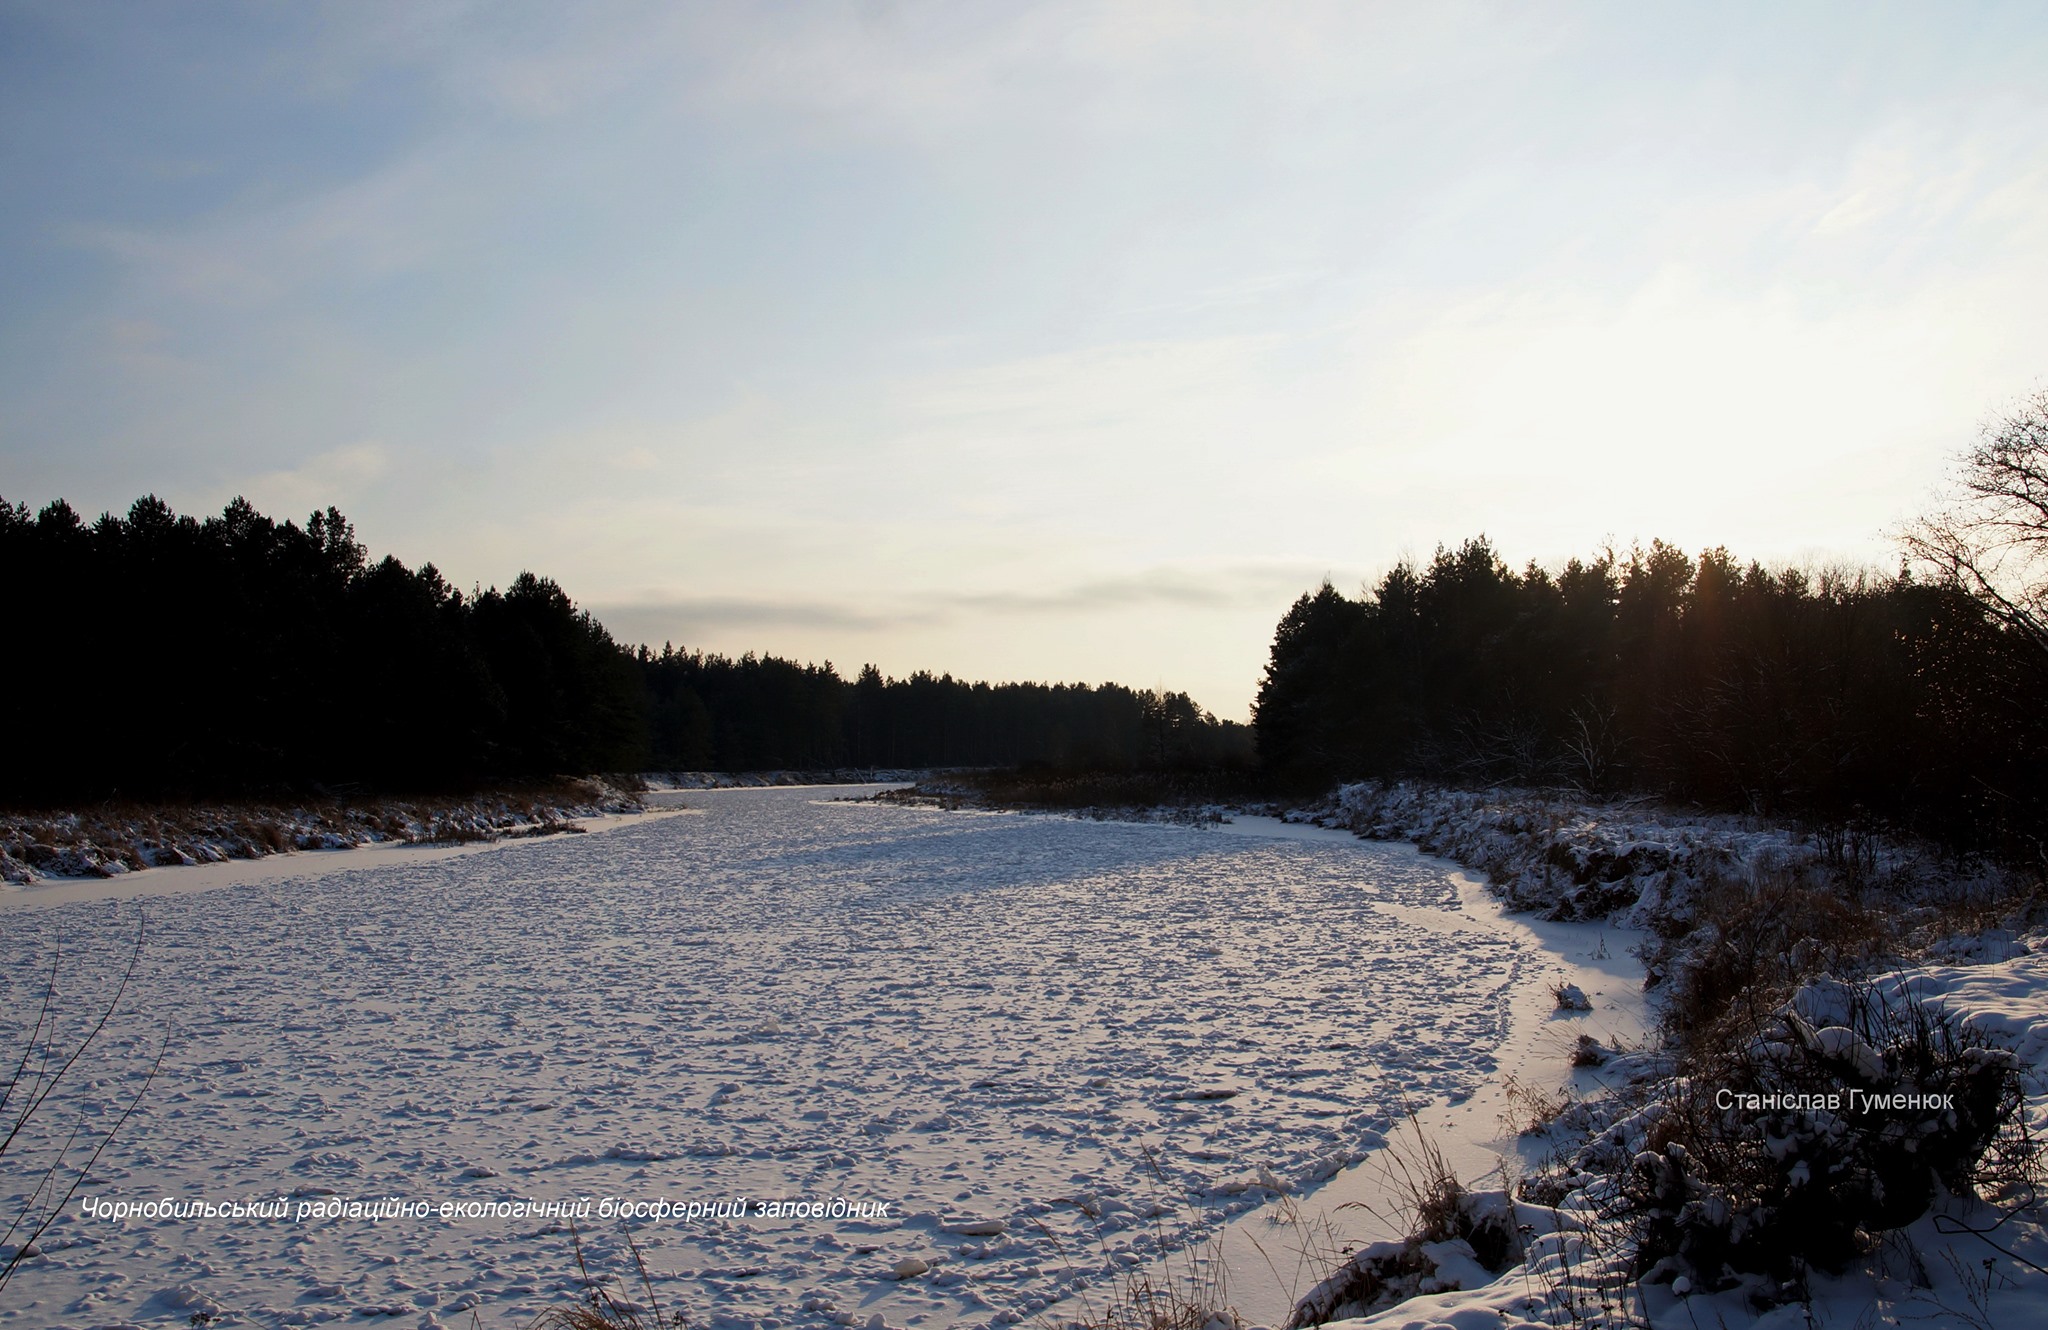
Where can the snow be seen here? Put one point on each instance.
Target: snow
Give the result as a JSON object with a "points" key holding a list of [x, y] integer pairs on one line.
{"points": [[1269, 1258], [1954, 1266], [1042, 1048], [110, 841], [1571, 858], [911, 1067], [1570, 997]]}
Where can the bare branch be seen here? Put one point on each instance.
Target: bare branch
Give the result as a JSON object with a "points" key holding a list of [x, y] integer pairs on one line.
{"points": [[1989, 539], [37, 1210]]}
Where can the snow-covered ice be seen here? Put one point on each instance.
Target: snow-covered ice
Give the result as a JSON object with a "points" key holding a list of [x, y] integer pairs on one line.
{"points": [[1048, 1046]]}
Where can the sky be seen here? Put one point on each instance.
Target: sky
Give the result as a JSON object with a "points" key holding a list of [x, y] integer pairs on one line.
{"points": [[1060, 341]]}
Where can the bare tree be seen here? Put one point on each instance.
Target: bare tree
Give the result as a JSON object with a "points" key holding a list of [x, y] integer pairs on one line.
{"points": [[1989, 537], [1592, 747]]}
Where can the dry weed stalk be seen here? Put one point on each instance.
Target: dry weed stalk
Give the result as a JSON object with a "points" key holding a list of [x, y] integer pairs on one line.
{"points": [[599, 1309], [1193, 1299], [1531, 1109]]}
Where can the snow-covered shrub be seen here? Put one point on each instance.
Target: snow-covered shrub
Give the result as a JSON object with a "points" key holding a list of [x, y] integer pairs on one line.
{"points": [[1570, 997], [1793, 1147], [1755, 940], [1571, 859], [118, 839], [1465, 1244], [1456, 1239]]}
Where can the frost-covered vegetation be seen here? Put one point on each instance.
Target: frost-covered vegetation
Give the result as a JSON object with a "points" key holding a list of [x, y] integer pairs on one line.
{"points": [[1847, 1089], [110, 839]]}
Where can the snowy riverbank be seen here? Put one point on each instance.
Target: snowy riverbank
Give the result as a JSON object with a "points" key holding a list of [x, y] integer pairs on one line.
{"points": [[1947, 1002], [1601, 1158], [113, 840]]}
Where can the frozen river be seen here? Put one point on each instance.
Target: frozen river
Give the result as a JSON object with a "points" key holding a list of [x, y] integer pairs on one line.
{"points": [[1028, 1048]]}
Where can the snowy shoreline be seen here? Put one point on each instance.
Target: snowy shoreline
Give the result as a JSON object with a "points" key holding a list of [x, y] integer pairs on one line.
{"points": [[1566, 865], [1273, 1257], [1589, 881], [110, 842]]}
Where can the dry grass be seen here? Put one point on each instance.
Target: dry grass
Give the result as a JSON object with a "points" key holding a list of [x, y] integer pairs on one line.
{"points": [[1192, 1297], [1312, 1249], [600, 1309], [1432, 1206], [1769, 934], [1193, 1301], [1429, 1192], [1531, 1108]]}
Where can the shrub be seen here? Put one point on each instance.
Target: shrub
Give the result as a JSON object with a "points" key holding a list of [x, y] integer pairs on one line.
{"points": [[1807, 1171], [1445, 1222]]}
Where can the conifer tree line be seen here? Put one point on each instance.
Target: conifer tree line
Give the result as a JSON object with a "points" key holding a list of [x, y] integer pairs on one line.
{"points": [[1829, 696], [157, 655], [712, 712]]}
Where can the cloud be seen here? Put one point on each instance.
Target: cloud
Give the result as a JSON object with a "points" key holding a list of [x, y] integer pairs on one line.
{"points": [[336, 476], [690, 620], [401, 217], [520, 61], [1226, 588], [1090, 69], [1194, 588]]}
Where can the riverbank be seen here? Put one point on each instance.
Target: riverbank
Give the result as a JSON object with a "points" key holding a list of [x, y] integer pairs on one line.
{"points": [[114, 839], [1793, 968], [1759, 958], [1271, 1259]]}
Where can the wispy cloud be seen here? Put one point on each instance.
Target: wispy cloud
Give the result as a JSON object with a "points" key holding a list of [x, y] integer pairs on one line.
{"points": [[337, 476], [1233, 587], [693, 619], [1206, 588]]}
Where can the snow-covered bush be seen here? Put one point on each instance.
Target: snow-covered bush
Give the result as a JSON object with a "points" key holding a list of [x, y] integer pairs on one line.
{"points": [[1466, 1240], [1570, 997], [1456, 1239], [1570, 859], [1843, 1117]]}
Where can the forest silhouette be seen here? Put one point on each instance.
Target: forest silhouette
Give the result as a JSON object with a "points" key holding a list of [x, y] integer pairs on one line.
{"points": [[162, 656], [1828, 697]]}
